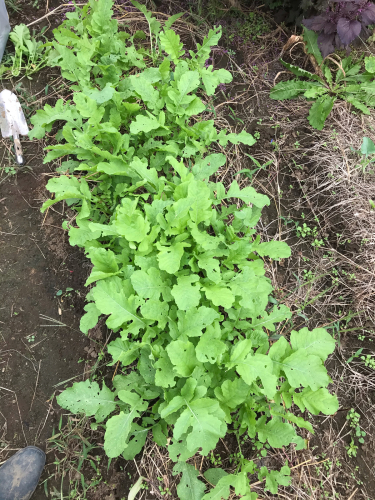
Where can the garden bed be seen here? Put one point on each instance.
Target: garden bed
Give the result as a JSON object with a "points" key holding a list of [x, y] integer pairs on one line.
{"points": [[315, 283]]}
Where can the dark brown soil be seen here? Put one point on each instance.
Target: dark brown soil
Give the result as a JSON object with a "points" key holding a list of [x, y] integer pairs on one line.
{"points": [[36, 354]]}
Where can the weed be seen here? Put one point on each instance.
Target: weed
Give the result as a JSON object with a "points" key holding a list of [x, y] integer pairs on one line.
{"points": [[13, 6], [250, 172], [249, 28], [215, 459], [325, 87], [73, 453], [10, 170], [304, 230], [369, 361], [353, 417]]}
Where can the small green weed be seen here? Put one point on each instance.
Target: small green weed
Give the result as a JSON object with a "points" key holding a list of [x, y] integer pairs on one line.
{"points": [[73, 453], [252, 26], [369, 361], [353, 417], [13, 6], [250, 172], [10, 170], [304, 230]]}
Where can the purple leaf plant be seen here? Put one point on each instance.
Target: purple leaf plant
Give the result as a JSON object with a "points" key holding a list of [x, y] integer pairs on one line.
{"points": [[341, 23]]}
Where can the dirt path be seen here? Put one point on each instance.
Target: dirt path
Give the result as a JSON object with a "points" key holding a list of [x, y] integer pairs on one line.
{"points": [[35, 263]]}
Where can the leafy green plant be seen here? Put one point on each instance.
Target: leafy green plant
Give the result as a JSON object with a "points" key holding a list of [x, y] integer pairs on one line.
{"points": [[367, 158], [369, 361], [304, 230], [13, 6], [30, 55], [249, 27], [348, 84], [258, 166], [177, 265], [353, 417]]}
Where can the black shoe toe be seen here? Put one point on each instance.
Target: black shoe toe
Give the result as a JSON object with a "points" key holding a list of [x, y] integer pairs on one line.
{"points": [[20, 474]]}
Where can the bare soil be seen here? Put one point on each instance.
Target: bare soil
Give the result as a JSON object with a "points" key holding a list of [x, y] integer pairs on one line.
{"points": [[36, 353]]}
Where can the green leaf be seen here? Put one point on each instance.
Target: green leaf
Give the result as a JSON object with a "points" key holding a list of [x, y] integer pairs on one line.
{"points": [[300, 72], [315, 91], [44, 119], [213, 476], [135, 444], [189, 487], [316, 401], [119, 426], [144, 124], [164, 375], [311, 39], [277, 315], [121, 350], [274, 249], [211, 265], [289, 90], [170, 257], [133, 227], [367, 147], [210, 348], [195, 107], [170, 42], [87, 397], [211, 79], [247, 195], [358, 104], [275, 478], [277, 433], [155, 310], [188, 82], [320, 110], [187, 295], [90, 318], [253, 291], [318, 342], [111, 298], [209, 165], [142, 84], [258, 365], [302, 369], [105, 265], [150, 284], [243, 137], [206, 419], [194, 320], [232, 393], [219, 295], [182, 356], [370, 64], [222, 489], [168, 23], [211, 39]]}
